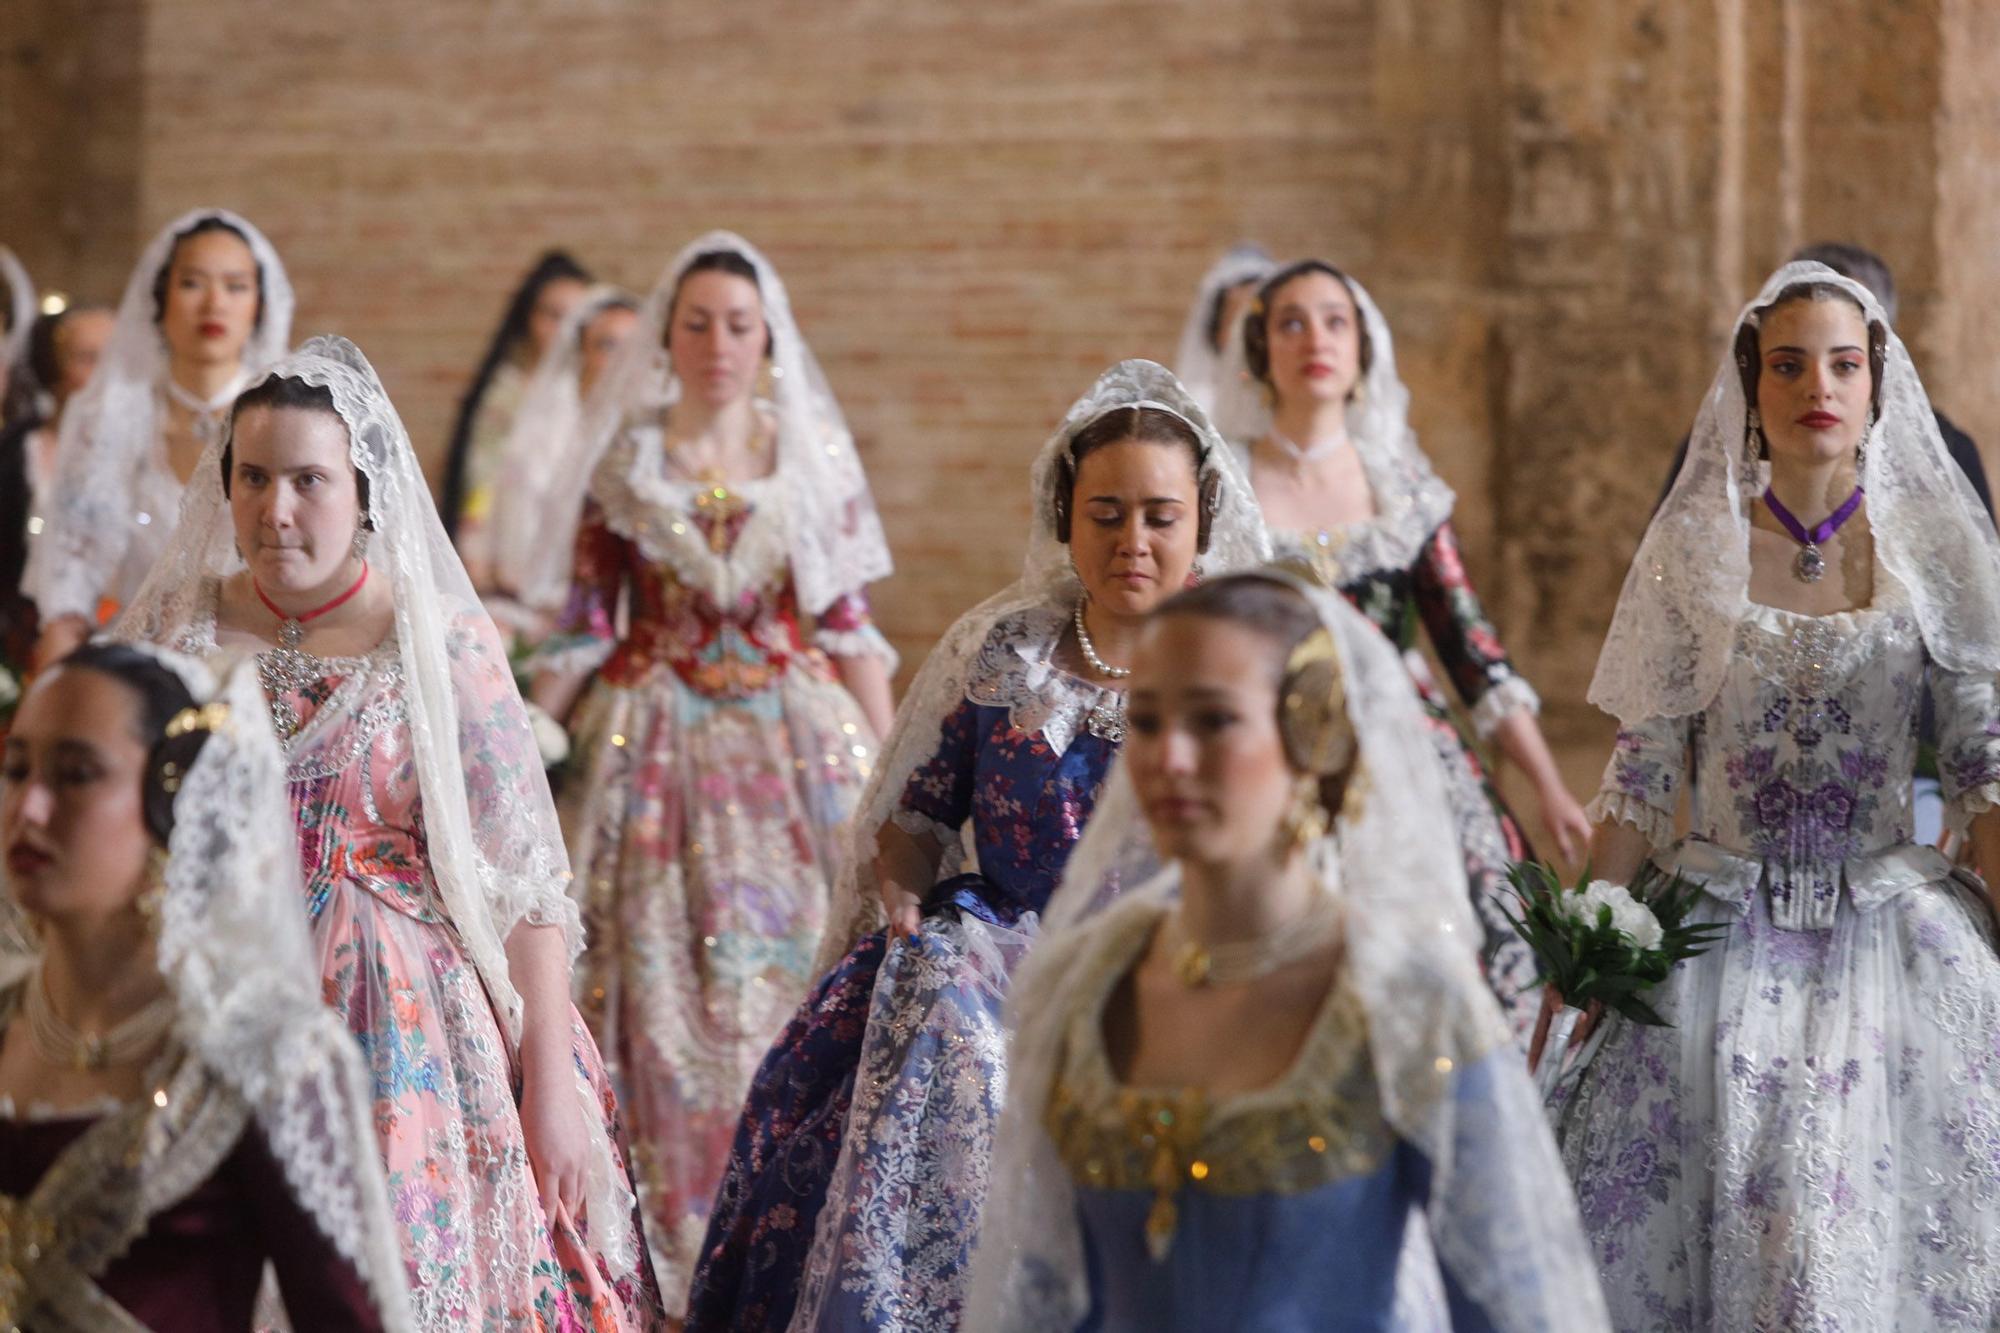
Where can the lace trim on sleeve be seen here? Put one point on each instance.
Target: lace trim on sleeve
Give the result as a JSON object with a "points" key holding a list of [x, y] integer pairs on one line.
{"points": [[921, 825], [1968, 805], [1510, 696], [1616, 807], [866, 641]]}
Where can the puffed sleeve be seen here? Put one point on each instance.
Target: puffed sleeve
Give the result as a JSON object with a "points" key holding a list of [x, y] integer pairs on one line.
{"points": [[846, 628], [1642, 783], [1968, 729], [1466, 642]]}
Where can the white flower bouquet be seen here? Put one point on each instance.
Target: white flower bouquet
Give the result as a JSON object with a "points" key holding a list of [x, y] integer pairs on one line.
{"points": [[1601, 946]]}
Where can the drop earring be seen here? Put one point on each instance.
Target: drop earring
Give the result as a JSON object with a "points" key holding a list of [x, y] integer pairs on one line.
{"points": [[358, 548]]}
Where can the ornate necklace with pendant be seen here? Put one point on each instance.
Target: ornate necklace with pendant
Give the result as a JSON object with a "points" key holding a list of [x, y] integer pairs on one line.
{"points": [[1107, 720], [1810, 567], [207, 418], [288, 667]]}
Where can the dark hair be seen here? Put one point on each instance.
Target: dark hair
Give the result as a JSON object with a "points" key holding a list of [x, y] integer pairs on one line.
{"points": [[1750, 357], [714, 261], [553, 266], [161, 695], [1279, 613], [1856, 262], [201, 227], [1257, 320], [1147, 425], [1212, 325], [299, 395]]}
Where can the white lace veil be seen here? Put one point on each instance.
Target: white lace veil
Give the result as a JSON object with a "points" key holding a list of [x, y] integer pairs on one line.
{"points": [[21, 308], [543, 450], [1197, 364], [1671, 639], [836, 538], [1236, 540], [112, 427], [234, 950], [1410, 498], [1411, 941], [496, 850]]}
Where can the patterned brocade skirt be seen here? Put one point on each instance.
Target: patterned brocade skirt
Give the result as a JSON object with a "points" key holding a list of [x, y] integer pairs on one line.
{"points": [[481, 1252], [1815, 1143], [705, 833]]}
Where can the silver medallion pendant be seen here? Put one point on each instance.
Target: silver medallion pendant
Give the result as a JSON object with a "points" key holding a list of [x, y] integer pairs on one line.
{"points": [[1810, 566]]}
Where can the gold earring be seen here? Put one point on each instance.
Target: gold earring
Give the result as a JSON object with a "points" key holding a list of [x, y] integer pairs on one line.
{"points": [[1305, 823], [147, 903]]}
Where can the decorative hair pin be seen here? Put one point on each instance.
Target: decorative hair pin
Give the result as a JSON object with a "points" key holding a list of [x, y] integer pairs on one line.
{"points": [[208, 717], [1315, 706]]}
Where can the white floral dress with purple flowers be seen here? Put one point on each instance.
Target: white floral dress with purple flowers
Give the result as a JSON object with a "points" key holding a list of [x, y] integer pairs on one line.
{"points": [[1815, 1142]]}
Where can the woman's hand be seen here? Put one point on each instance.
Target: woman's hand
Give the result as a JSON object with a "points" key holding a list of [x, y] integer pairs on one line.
{"points": [[557, 1140], [902, 859], [904, 909], [1564, 821]]}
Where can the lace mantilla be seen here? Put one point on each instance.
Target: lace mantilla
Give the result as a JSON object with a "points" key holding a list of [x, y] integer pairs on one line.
{"points": [[493, 845], [832, 535], [114, 498], [1668, 650]]}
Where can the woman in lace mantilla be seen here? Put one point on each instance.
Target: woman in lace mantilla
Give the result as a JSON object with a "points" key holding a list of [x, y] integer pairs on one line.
{"points": [[177, 1109], [1815, 1142], [854, 1190], [1309, 391], [733, 718], [475, 460], [1266, 1090], [435, 877], [207, 307], [543, 439]]}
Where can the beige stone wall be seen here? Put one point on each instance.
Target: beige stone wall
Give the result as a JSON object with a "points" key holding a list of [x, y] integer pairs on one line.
{"points": [[1560, 204]]}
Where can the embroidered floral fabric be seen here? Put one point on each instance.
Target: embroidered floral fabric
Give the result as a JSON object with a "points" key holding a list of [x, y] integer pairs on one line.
{"points": [[1815, 1143], [720, 761], [860, 1158], [481, 1252]]}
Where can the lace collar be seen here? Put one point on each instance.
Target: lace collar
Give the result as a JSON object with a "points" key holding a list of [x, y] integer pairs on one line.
{"points": [[1016, 669], [1411, 503], [656, 512]]}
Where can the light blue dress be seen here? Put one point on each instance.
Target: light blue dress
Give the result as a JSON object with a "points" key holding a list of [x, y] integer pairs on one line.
{"points": [[1281, 1210]]}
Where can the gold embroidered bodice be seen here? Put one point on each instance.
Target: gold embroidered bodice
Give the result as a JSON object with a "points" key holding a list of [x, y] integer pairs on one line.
{"points": [[1320, 1122]]}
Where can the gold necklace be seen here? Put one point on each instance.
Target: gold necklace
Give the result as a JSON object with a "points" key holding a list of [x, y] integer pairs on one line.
{"points": [[1238, 961], [60, 1043]]}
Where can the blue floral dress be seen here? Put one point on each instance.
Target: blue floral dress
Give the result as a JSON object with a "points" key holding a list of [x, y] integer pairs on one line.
{"points": [[1815, 1142], [883, 1091]]}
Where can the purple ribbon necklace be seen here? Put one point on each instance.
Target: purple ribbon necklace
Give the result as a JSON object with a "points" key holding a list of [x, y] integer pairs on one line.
{"points": [[1810, 567]]}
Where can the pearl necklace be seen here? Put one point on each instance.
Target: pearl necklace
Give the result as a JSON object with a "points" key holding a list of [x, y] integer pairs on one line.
{"points": [[1097, 664], [60, 1043]]}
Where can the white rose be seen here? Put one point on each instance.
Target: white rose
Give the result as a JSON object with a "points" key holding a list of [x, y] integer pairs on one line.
{"points": [[550, 738], [1629, 917]]}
